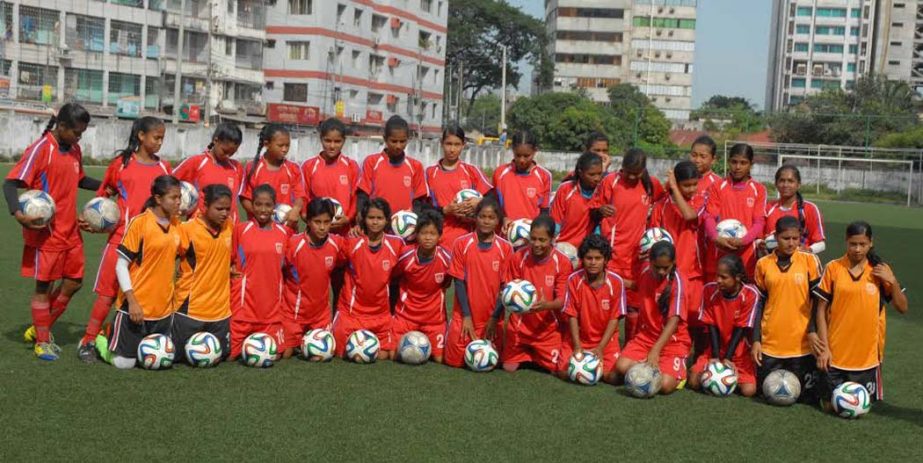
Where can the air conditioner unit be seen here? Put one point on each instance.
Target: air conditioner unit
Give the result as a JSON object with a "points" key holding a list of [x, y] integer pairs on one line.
{"points": [[638, 75], [639, 53], [356, 118], [818, 70], [391, 100], [801, 69], [395, 23], [660, 10], [666, 77], [672, 10], [670, 33], [656, 54], [659, 32], [669, 55], [393, 62]]}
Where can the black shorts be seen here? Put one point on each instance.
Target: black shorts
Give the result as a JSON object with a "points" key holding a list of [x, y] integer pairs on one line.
{"points": [[870, 378], [126, 335], [184, 327], [804, 367]]}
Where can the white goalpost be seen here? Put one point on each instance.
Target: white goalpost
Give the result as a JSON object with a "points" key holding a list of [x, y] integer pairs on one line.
{"points": [[840, 173]]}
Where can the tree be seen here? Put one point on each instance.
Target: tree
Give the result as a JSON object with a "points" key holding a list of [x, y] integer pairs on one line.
{"points": [[732, 115], [910, 139], [484, 114], [648, 124]]}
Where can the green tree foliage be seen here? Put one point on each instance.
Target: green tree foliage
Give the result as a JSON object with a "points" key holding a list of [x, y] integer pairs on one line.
{"points": [[729, 114], [912, 138], [484, 114]]}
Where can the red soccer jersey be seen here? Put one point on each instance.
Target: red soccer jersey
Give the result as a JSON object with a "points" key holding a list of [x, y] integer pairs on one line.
{"points": [[336, 179], [286, 180], [728, 313], [651, 320], [133, 186], [256, 296], [45, 167], [443, 185], [633, 207], [813, 222], [594, 307], [571, 211], [481, 267], [399, 184], [365, 291], [744, 201], [307, 275], [549, 276], [705, 184], [202, 170], [523, 195], [422, 286], [686, 233]]}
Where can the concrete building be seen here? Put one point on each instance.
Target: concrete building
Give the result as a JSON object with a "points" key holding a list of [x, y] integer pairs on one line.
{"points": [[360, 60], [899, 42]]}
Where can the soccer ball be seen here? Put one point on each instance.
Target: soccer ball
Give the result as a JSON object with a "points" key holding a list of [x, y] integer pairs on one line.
{"points": [[518, 295], [404, 223], [337, 208], [203, 349], [652, 236], [362, 347], [584, 368], [480, 356], [642, 380], [781, 387], [851, 400], [731, 228], [280, 212], [719, 379], [414, 348], [570, 251], [188, 198], [102, 214], [465, 195], [259, 350], [318, 345], [156, 352], [38, 204], [519, 231], [771, 243]]}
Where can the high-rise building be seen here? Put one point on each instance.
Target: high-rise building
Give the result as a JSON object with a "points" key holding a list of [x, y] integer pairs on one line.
{"points": [[597, 44], [899, 42], [360, 60]]}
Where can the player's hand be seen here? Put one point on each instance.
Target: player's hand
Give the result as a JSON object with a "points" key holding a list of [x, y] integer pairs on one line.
{"points": [[339, 223], [29, 221], [757, 353], [730, 364], [468, 332], [135, 314], [490, 332], [823, 361], [598, 351], [629, 284], [817, 346], [84, 226], [670, 182], [883, 272], [504, 230], [538, 304], [111, 191], [653, 358], [468, 207], [355, 232], [607, 210], [725, 243], [292, 218], [645, 255]]}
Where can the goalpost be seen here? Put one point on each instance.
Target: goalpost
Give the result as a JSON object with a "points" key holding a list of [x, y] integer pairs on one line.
{"points": [[850, 173]]}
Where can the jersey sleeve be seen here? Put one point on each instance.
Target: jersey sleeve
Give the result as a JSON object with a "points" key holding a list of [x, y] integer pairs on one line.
{"points": [[546, 190], [571, 297], [559, 207], [246, 187], [814, 223], [621, 303], [512, 269], [815, 271], [603, 194], [184, 238], [31, 165], [713, 205], [824, 289], [679, 299], [298, 190], [459, 260], [419, 180], [366, 176], [110, 178], [479, 181], [657, 214], [186, 170], [707, 314], [759, 209], [745, 316], [657, 189], [560, 279], [130, 247]]}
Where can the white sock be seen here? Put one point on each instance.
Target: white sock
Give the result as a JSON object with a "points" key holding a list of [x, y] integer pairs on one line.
{"points": [[123, 363]]}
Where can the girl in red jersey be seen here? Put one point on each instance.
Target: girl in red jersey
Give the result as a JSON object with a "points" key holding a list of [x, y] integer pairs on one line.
{"points": [[215, 165], [371, 260], [598, 144], [310, 260], [53, 251], [535, 336], [662, 339], [331, 174], [273, 169], [791, 203], [737, 197], [729, 310], [703, 155], [594, 302], [423, 275], [623, 204], [256, 292], [571, 205], [449, 176], [523, 187], [129, 176], [478, 260]]}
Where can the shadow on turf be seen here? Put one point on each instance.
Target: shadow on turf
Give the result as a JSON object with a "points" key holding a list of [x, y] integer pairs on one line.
{"points": [[65, 333], [910, 415]]}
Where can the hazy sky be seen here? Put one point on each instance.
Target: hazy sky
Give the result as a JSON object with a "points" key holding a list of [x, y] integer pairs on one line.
{"points": [[732, 43]]}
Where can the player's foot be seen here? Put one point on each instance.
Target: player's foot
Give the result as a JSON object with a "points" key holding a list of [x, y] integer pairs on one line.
{"points": [[29, 335], [86, 352], [45, 351], [102, 348], [56, 348]]}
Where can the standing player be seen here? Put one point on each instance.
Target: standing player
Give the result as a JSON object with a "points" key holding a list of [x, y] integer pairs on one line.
{"points": [[703, 155], [791, 203], [130, 176], [783, 332], [478, 259], [215, 166], [571, 205], [273, 169], [331, 174], [598, 144], [391, 174], [422, 273], [850, 314], [203, 290], [145, 269], [256, 295], [52, 251], [522, 186], [449, 176]]}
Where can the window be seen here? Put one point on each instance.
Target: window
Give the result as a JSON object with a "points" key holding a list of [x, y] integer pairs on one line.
{"points": [[153, 43], [378, 22], [295, 92], [125, 39], [801, 46], [249, 54], [151, 92], [830, 30], [86, 33], [426, 5], [590, 35], [299, 50], [353, 94], [854, 31], [668, 45], [357, 59], [831, 12], [38, 25], [424, 40], [581, 58], [657, 66], [804, 11], [84, 85], [827, 48], [854, 49], [357, 18], [616, 13], [850, 67], [802, 29], [894, 63], [855, 13], [666, 23], [896, 44], [798, 83], [251, 13], [341, 9], [300, 7], [668, 90], [123, 85]]}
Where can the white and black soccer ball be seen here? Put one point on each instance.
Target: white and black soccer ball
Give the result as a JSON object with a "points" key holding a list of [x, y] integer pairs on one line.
{"points": [[718, 379], [518, 296], [642, 380], [38, 204], [466, 194], [362, 347], [101, 214], [337, 208], [653, 236], [731, 228], [781, 387], [519, 232], [188, 198], [280, 213], [584, 368], [481, 356], [414, 348], [404, 223], [851, 400]]}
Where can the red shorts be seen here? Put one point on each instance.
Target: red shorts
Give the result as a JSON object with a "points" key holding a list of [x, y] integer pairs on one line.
{"points": [[380, 325], [240, 330], [544, 351], [295, 329], [611, 354], [52, 265], [672, 356], [107, 284], [746, 369], [434, 331], [455, 343]]}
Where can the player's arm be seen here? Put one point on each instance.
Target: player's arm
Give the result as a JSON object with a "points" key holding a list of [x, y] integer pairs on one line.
{"points": [[736, 336], [714, 338], [574, 327], [688, 212], [823, 357], [10, 187], [893, 292], [611, 328], [89, 183], [461, 291], [653, 357]]}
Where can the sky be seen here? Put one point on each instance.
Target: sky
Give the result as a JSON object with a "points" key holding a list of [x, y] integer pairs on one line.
{"points": [[732, 44]]}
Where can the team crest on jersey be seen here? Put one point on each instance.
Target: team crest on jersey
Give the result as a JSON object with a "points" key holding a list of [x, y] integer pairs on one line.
{"points": [[76, 167], [284, 188], [231, 183], [530, 192], [751, 202], [465, 185], [440, 277], [799, 278], [646, 200], [344, 180], [870, 288], [605, 304], [386, 265], [176, 240], [227, 242], [549, 281], [495, 265], [278, 248], [407, 180], [328, 262]]}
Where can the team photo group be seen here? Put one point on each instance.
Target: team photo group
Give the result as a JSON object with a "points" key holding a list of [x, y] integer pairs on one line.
{"points": [[693, 281]]}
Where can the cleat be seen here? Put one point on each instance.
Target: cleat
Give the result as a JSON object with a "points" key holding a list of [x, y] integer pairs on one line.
{"points": [[86, 352], [45, 351], [681, 385], [29, 335]]}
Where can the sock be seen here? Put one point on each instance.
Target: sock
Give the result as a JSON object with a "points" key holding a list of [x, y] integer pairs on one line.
{"points": [[97, 317], [58, 306], [41, 318]]}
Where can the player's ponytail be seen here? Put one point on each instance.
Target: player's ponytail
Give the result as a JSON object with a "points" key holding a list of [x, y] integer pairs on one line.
{"points": [[266, 134], [51, 123], [636, 158], [145, 125], [68, 116], [665, 249], [160, 187], [861, 227]]}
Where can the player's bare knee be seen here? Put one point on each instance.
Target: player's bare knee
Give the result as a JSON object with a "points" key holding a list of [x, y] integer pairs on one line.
{"points": [[510, 367], [748, 390], [668, 385]]}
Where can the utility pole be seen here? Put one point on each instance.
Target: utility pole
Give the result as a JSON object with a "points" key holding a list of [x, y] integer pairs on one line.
{"points": [[208, 70], [460, 92], [178, 77], [503, 92]]}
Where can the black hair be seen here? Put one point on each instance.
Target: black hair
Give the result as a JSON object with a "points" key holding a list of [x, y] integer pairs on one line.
{"points": [[215, 192], [595, 242], [226, 131], [454, 130], [798, 197], [319, 206], [524, 137], [375, 203], [741, 148], [492, 203], [332, 125], [69, 116], [665, 249], [707, 141], [396, 123], [685, 170], [736, 266], [787, 223], [265, 188], [585, 161], [636, 158], [545, 221], [145, 125], [861, 227], [160, 187], [429, 217], [266, 133], [594, 137]]}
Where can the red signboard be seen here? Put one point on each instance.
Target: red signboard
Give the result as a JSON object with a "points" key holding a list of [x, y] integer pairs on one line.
{"points": [[373, 116], [190, 112], [292, 114]]}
